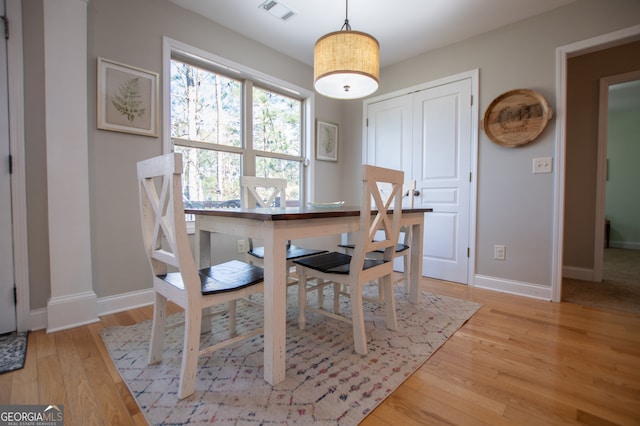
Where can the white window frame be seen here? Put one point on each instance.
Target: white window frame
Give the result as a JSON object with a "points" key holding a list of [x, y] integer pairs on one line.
{"points": [[232, 69]]}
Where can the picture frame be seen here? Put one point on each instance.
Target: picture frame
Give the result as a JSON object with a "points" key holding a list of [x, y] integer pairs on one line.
{"points": [[326, 141], [127, 99]]}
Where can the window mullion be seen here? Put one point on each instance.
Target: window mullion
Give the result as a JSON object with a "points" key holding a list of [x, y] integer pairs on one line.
{"points": [[207, 145], [249, 159], [279, 156]]}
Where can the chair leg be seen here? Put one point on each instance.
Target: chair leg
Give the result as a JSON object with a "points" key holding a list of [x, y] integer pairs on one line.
{"points": [[407, 271], [158, 329], [231, 305], [381, 294], [302, 296], [205, 326], [390, 304], [190, 352], [320, 286], [357, 318], [337, 289]]}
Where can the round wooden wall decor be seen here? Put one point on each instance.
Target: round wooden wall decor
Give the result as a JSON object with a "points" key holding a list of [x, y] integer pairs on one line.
{"points": [[516, 117]]}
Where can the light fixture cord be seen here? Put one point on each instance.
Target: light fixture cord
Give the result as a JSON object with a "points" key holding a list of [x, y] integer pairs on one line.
{"points": [[346, 25]]}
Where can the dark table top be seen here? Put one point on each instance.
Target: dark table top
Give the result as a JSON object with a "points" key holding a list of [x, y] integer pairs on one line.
{"points": [[289, 213]]}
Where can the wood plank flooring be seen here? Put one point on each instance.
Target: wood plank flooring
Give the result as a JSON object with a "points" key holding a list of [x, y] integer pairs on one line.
{"points": [[518, 361]]}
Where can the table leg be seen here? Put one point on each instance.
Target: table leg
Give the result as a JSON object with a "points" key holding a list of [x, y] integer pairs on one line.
{"points": [[202, 244], [275, 306], [416, 260]]}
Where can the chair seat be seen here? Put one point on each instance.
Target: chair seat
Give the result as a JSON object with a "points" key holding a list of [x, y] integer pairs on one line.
{"points": [[334, 263], [293, 252], [225, 277], [399, 248]]}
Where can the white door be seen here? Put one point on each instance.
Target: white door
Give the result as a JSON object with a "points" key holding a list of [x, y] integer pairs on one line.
{"points": [[7, 300], [427, 134], [442, 139], [389, 135]]}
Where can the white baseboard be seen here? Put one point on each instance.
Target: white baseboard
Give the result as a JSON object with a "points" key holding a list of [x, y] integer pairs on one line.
{"points": [[67, 315], [578, 273], [125, 301], [71, 311], [629, 245], [536, 291], [38, 319]]}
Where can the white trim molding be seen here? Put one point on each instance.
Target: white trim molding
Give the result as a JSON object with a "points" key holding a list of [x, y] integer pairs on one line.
{"points": [[105, 305], [15, 73], [125, 301], [71, 311], [519, 288], [578, 273]]}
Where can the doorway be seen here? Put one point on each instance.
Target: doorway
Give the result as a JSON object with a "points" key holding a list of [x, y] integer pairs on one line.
{"points": [[568, 182]]}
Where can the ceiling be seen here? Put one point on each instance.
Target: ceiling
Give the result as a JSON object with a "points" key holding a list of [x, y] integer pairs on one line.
{"points": [[404, 28]]}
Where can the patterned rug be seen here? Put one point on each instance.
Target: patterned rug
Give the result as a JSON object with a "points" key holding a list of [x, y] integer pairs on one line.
{"points": [[326, 383], [13, 350]]}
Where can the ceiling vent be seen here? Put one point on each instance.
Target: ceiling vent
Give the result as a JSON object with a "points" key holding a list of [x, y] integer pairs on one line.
{"points": [[277, 10]]}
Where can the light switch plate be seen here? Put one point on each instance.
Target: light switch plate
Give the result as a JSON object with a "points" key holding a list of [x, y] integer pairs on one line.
{"points": [[542, 165]]}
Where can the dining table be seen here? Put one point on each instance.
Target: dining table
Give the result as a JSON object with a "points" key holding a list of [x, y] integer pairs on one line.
{"points": [[275, 226]]}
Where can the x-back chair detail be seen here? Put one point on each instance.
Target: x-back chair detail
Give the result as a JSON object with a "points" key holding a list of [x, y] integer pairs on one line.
{"points": [[175, 275]]}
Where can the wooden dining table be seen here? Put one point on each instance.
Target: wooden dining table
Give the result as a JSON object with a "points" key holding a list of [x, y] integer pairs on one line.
{"points": [[275, 226]]}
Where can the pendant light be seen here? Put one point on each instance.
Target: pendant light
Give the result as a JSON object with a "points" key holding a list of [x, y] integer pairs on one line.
{"points": [[346, 63]]}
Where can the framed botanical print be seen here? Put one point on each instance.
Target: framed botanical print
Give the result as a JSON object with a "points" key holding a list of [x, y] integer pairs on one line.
{"points": [[127, 99], [326, 141]]}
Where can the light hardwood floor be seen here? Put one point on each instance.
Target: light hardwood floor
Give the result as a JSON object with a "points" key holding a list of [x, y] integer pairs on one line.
{"points": [[518, 361]]}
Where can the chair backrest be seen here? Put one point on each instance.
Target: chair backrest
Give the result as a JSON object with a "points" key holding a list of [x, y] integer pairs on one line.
{"points": [[164, 229], [408, 188], [380, 218], [263, 192]]}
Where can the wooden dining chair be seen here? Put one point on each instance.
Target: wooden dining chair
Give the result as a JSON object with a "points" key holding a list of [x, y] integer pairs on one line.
{"points": [[175, 275], [403, 249], [270, 192], [356, 270]]}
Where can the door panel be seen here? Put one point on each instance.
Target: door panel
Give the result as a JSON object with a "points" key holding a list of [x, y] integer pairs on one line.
{"points": [[389, 139], [442, 134]]}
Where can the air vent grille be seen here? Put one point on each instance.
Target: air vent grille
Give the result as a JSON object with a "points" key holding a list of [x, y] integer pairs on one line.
{"points": [[277, 10]]}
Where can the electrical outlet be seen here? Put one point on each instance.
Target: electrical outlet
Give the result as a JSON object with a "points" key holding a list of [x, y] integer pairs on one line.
{"points": [[542, 165], [242, 248], [499, 252]]}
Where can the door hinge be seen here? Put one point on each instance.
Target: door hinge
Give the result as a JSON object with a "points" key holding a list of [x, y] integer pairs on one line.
{"points": [[471, 99], [468, 252], [6, 27], [367, 125], [15, 295], [10, 164], [470, 177]]}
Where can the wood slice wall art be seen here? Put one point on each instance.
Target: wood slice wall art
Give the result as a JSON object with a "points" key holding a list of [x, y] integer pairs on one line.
{"points": [[516, 118]]}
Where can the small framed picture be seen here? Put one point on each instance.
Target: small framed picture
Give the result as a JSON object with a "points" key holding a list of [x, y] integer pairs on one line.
{"points": [[127, 99], [326, 141]]}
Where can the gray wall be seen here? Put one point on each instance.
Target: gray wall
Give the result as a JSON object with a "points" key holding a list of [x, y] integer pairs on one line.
{"points": [[515, 207], [130, 31]]}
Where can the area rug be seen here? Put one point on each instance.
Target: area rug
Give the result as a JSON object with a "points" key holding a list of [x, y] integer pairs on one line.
{"points": [[13, 350], [326, 383]]}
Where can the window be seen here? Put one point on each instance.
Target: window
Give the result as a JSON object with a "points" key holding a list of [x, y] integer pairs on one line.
{"points": [[210, 106]]}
